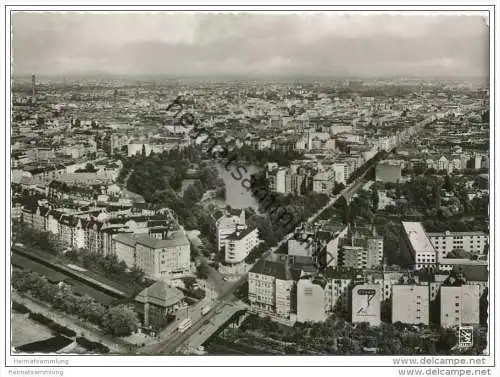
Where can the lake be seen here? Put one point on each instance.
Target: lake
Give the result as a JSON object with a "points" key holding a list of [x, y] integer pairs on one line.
{"points": [[237, 196]]}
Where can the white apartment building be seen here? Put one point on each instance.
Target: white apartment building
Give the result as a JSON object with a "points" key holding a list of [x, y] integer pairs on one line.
{"points": [[341, 172], [472, 242], [410, 304], [460, 305], [227, 223], [415, 244], [278, 180], [332, 248], [239, 244]]}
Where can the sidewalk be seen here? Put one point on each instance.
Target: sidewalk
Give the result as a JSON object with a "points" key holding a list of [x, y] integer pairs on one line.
{"points": [[75, 324]]}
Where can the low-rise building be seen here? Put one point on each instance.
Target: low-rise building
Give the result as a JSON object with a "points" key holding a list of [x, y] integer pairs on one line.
{"points": [[156, 302]]}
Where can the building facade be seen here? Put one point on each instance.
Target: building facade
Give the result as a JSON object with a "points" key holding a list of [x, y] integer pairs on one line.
{"points": [[459, 305], [239, 244], [416, 247], [227, 223], [472, 242], [365, 301], [410, 304], [311, 301]]}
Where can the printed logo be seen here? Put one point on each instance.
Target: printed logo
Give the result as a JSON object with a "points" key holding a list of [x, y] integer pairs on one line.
{"points": [[465, 336]]}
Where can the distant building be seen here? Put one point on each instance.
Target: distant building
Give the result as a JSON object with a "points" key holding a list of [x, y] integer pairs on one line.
{"points": [[410, 304], [460, 305], [279, 180], [477, 161], [366, 304], [386, 280], [388, 171], [341, 172], [33, 88]]}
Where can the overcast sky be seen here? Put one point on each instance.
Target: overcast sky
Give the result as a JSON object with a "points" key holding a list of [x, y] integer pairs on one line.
{"points": [[255, 44]]}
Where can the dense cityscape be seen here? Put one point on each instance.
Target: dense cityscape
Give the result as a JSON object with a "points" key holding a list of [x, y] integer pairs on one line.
{"points": [[290, 217], [219, 183]]}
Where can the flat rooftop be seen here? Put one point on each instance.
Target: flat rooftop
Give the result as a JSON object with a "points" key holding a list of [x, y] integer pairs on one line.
{"points": [[418, 239]]}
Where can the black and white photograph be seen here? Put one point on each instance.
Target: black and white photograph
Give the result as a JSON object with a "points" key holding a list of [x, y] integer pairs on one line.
{"points": [[224, 183]]}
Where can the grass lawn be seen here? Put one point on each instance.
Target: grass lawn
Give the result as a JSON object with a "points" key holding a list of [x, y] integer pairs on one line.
{"points": [[25, 330]]}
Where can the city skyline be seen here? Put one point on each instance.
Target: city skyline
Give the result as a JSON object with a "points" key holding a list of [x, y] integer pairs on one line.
{"points": [[217, 45]]}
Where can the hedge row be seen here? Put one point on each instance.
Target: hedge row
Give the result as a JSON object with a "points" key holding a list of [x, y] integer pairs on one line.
{"points": [[40, 318], [20, 308], [92, 346]]}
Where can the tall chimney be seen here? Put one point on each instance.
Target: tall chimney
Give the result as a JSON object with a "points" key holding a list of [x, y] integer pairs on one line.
{"points": [[33, 88]]}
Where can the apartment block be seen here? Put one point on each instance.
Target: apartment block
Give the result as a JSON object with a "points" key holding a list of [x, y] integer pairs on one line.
{"points": [[239, 244], [227, 223], [410, 304], [460, 305], [323, 182], [311, 301], [472, 242], [160, 259]]}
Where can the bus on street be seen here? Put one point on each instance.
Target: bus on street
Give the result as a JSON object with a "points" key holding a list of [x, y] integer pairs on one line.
{"points": [[184, 325]]}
